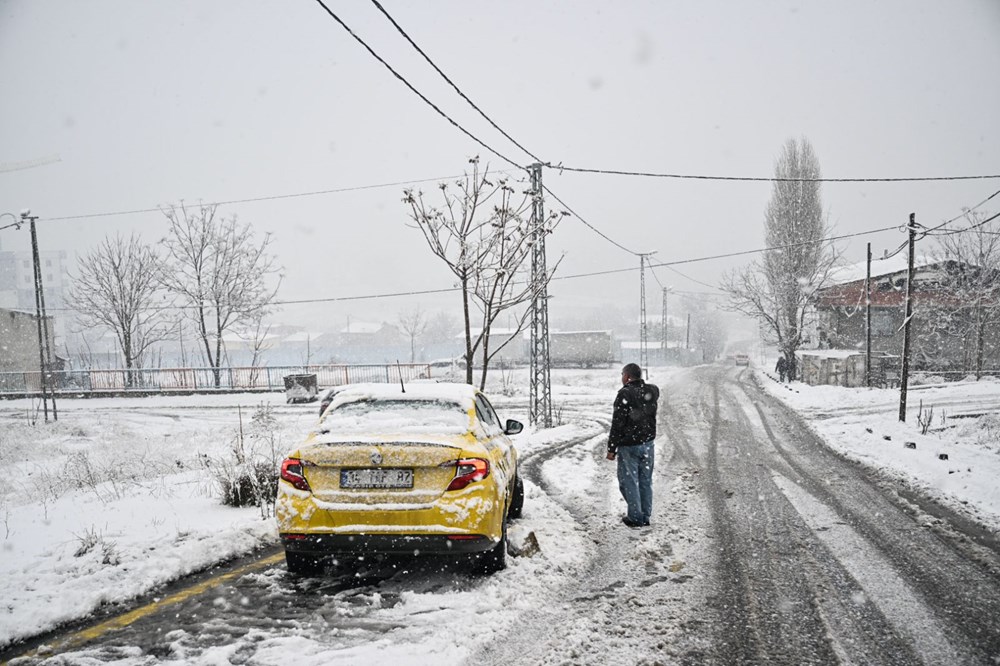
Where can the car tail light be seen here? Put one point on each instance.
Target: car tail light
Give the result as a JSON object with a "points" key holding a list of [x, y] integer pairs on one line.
{"points": [[291, 471], [468, 470]]}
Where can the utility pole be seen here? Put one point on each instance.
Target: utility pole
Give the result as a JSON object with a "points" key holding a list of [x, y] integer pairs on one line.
{"points": [[868, 319], [904, 373], [44, 350], [540, 390], [664, 324], [643, 339]]}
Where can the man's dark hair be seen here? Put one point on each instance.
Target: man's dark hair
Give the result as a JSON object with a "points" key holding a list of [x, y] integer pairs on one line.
{"points": [[633, 371]]}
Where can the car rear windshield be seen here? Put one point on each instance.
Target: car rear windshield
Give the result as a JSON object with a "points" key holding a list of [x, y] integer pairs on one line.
{"points": [[397, 416]]}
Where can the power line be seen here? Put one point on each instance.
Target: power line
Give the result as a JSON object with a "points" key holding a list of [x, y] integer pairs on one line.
{"points": [[230, 202], [656, 277], [452, 83], [666, 264], [688, 277], [777, 247], [589, 225], [416, 92], [962, 214], [768, 179], [966, 229]]}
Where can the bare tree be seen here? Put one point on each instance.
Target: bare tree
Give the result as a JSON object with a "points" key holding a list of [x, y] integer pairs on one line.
{"points": [[116, 288], [975, 250], [441, 327], [413, 323], [707, 328], [481, 233], [219, 273], [778, 290], [255, 336]]}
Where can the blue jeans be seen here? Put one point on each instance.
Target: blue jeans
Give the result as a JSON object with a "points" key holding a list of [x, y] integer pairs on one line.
{"points": [[635, 480]]}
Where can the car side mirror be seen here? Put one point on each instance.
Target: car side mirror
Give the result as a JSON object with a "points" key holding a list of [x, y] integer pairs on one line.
{"points": [[513, 427]]}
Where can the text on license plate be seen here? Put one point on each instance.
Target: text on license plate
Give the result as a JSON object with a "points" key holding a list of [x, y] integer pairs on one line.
{"points": [[376, 478]]}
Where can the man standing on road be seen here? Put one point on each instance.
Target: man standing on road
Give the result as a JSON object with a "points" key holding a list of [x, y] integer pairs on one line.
{"points": [[633, 429]]}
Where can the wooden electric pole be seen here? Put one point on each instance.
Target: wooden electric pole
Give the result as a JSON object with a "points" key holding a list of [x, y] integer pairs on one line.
{"points": [[44, 349], [904, 373], [868, 320]]}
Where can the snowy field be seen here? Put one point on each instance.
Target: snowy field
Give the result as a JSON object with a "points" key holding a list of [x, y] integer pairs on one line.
{"points": [[955, 460], [122, 495]]}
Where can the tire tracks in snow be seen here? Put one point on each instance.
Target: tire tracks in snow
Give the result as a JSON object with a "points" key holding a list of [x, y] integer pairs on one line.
{"points": [[945, 598], [630, 602]]}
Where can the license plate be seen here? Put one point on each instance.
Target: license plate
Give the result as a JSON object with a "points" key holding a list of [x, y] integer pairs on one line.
{"points": [[376, 478]]}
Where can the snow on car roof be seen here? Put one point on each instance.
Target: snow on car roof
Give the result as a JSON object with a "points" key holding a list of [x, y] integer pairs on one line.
{"points": [[376, 410], [463, 394]]}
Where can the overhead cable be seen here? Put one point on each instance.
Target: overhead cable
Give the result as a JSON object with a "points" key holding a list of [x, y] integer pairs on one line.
{"points": [[768, 179], [665, 264], [450, 82], [272, 197], [962, 214], [416, 92], [951, 232], [589, 225]]}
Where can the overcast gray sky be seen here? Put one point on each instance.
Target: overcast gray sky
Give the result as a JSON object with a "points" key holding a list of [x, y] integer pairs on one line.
{"points": [[152, 103]]}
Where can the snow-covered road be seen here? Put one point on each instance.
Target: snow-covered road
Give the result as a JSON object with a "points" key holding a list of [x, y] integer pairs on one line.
{"points": [[766, 547]]}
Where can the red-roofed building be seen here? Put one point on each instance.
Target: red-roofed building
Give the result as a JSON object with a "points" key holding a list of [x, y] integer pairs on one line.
{"points": [[943, 308]]}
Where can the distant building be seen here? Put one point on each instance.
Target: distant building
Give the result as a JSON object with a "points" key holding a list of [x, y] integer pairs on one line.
{"points": [[17, 284], [940, 311], [19, 350]]}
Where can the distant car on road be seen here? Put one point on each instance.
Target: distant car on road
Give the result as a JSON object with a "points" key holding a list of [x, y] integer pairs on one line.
{"points": [[742, 359], [428, 470]]}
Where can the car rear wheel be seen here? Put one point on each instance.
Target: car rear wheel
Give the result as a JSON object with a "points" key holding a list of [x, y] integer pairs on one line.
{"points": [[493, 560], [517, 500], [303, 565]]}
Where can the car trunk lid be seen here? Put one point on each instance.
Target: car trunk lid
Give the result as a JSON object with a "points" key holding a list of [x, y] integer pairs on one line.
{"points": [[369, 473]]}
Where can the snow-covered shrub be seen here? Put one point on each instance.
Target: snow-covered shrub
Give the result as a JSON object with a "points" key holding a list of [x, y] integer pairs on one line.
{"points": [[90, 540], [247, 485], [249, 475], [106, 480], [922, 378], [989, 428]]}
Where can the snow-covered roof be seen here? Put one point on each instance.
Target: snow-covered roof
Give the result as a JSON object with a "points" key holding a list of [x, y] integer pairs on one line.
{"points": [[830, 353], [880, 267], [246, 337], [636, 344], [302, 336], [361, 327]]}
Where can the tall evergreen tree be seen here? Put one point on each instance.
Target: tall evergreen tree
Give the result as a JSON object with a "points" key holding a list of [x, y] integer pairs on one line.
{"points": [[777, 290]]}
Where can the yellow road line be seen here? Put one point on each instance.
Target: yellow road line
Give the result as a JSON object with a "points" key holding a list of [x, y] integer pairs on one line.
{"points": [[90, 633]]}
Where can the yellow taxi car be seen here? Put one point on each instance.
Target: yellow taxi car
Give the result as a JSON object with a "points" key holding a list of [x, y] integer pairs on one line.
{"points": [[421, 469]]}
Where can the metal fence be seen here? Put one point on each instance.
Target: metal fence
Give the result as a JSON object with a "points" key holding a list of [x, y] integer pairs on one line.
{"points": [[165, 380]]}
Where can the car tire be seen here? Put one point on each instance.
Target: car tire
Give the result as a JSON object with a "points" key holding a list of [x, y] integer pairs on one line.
{"points": [[301, 564], [516, 500], [494, 559]]}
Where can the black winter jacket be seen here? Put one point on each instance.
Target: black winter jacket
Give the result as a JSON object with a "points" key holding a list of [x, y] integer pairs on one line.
{"points": [[634, 418]]}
